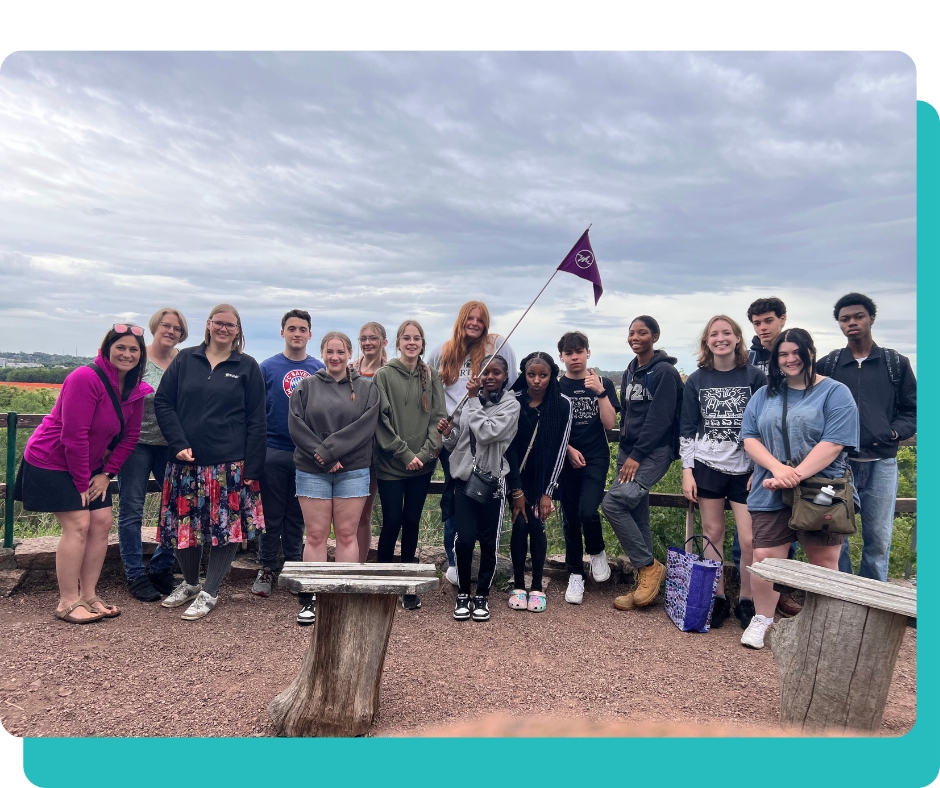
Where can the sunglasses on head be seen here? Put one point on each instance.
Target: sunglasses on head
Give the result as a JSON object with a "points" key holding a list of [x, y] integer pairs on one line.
{"points": [[128, 328]]}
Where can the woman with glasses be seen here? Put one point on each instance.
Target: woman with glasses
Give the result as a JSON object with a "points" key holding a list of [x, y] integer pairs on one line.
{"points": [[71, 458], [372, 357], [211, 409], [168, 328]]}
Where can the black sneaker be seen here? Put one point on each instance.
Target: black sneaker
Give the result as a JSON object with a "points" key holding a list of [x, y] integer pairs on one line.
{"points": [[744, 611], [411, 601], [307, 614], [720, 612], [481, 608], [143, 589], [463, 607], [163, 581]]}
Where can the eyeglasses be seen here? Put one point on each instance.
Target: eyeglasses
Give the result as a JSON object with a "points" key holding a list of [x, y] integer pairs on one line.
{"points": [[128, 328], [227, 326], [369, 339], [168, 327]]}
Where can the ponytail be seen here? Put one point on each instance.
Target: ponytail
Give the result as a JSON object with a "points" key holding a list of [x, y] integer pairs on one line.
{"points": [[425, 374]]}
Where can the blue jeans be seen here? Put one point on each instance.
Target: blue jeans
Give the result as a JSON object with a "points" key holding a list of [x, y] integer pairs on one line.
{"points": [[877, 486], [132, 489], [450, 533]]}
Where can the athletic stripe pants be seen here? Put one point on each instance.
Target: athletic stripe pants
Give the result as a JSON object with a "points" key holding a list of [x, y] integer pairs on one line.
{"points": [[476, 522]]}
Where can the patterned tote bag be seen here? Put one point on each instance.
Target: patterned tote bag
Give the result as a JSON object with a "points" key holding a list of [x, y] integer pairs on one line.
{"points": [[691, 580]]}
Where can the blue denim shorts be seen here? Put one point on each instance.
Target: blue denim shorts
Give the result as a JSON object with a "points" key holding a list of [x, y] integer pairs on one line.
{"points": [[342, 484]]}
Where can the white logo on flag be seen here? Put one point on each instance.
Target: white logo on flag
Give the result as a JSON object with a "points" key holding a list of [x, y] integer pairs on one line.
{"points": [[584, 259]]}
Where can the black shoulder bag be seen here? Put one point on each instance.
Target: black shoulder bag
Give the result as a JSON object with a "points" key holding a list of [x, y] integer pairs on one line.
{"points": [[117, 409], [837, 518], [482, 485]]}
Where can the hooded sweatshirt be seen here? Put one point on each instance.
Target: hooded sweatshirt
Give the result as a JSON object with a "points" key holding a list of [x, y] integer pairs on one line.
{"points": [[325, 420], [217, 412], [75, 435], [648, 420], [405, 430], [758, 356], [494, 426]]}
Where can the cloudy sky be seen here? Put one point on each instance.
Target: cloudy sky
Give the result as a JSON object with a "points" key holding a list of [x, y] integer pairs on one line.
{"points": [[384, 186]]}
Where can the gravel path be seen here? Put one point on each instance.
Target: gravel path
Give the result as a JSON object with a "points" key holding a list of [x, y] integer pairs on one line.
{"points": [[148, 673]]}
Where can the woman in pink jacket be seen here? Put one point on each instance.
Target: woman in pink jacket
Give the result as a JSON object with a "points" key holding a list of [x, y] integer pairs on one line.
{"points": [[71, 458]]}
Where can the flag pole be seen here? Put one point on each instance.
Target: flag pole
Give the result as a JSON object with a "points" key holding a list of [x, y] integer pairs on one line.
{"points": [[506, 338]]}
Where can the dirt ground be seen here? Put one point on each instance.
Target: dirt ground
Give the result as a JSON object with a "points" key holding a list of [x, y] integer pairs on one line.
{"points": [[148, 673]]}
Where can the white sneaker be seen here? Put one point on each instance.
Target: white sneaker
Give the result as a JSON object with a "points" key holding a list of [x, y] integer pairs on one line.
{"points": [[753, 636], [575, 592], [600, 568], [451, 575], [201, 607], [182, 594]]}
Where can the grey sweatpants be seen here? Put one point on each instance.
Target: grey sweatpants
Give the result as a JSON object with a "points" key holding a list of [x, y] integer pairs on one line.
{"points": [[627, 506]]}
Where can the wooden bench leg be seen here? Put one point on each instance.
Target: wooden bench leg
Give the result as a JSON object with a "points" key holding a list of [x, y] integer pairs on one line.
{"points": [[835, 661], [336, 692]]}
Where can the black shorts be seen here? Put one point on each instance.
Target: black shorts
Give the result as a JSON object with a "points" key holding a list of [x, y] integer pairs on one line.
{"points": [[42, 490], [717, 484]]}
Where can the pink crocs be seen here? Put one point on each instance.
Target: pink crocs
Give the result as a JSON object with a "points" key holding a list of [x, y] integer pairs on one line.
{"points": [[518, 599], [537, 602]]}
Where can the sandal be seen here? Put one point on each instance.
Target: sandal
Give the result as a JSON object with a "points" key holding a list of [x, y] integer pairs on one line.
{"points": [[537, 602], [110, 611], [66, 615], [518, 599]]}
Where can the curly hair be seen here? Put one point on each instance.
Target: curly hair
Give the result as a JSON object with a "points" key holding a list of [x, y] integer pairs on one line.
{"points": [[459, 347]]}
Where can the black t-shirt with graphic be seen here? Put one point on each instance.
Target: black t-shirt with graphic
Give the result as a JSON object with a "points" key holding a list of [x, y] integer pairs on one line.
{"points": [[588, 435]]}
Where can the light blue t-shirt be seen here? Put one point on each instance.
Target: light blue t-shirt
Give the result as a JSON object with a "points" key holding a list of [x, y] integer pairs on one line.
{"points": [[826, 412]]}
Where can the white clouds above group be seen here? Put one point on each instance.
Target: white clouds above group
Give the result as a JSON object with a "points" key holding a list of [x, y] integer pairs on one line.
{"points": [[382, 186]]}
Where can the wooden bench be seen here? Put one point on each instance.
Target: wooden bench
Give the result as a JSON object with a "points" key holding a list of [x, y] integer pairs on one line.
{"points": [[336, 692], [836, 658]]}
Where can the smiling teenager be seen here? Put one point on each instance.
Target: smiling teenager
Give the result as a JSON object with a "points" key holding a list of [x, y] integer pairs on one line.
{"points": [[72, 456], [372, 357], [211, 409], [822, 422], [411, 404], [168, 328], [477, 439], [333, 415], [536, 456], [715, 466], [651, 392], [458, 360], [594, 408], [283, 520]]}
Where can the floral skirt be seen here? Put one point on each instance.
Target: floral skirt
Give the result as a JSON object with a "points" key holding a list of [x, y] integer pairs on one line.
{"points": [[208, 504]]}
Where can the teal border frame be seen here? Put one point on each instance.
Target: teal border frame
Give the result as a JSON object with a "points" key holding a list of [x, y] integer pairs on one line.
{"points": [[910, 760]]}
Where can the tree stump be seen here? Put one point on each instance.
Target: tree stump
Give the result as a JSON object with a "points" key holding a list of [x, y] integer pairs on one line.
{"points": [[336, 692], [836, 658]]}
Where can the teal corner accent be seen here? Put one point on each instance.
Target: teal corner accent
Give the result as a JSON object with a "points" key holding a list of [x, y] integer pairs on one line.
{"points": [[911, 760]]}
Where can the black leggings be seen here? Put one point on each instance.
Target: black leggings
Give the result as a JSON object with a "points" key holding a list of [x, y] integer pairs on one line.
{"points": [[523, 534], [402, 504], [476, 522]]}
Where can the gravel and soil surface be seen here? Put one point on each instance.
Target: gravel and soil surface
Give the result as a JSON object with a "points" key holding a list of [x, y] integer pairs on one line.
{"points": [[148, 673]]}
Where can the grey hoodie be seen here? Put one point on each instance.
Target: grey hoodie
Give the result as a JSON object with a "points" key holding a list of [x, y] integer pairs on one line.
{"points": [[494, 426], [325, 420]]}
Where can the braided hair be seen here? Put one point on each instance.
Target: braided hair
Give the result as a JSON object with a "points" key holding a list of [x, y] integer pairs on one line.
{"points": [[423, 368], [553, 419]]}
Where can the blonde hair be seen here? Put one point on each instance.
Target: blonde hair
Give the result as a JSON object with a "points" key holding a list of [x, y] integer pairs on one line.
{"points": [[383, 356], [158, 316], [458, 347], [238, 344], [348, 343], [706, 359], [422, 366]]}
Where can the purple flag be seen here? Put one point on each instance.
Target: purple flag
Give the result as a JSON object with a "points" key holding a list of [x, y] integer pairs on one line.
{"points": [[581, 262]]}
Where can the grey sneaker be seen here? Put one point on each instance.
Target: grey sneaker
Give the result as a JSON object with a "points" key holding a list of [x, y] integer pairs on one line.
{"points": [[201, 607], [182, 594], [263, 583]]}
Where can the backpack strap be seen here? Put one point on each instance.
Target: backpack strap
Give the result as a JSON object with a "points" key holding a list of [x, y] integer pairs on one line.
{"points": [[114, 401], [829, 362], [893, 363]]}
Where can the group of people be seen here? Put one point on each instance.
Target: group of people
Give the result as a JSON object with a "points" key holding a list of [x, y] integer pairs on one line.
{"points": [[297, 446]]}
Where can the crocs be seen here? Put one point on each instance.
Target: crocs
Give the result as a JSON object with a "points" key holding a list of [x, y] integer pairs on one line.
{"points": [[537, 602], [518, 599]]}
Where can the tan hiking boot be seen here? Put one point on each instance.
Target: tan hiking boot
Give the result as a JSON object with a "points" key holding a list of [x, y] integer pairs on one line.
{"points": [[625, 602], [649, 580]]}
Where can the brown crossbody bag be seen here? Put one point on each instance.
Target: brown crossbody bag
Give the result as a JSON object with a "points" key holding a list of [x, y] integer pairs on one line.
{"points": [[836, 518]]}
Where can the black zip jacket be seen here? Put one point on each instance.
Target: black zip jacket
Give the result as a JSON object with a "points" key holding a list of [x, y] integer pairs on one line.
{"points": [[880, 408], [533, 480], [218, 413], [648, 421]]}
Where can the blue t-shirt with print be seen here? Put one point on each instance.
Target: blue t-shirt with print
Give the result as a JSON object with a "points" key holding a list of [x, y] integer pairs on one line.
{"points": [[826, 412], [281, 377]]}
